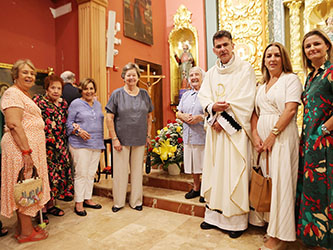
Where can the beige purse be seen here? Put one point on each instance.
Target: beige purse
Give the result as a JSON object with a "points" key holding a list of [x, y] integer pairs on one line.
{"points": [[28, 192], [260, 188]]}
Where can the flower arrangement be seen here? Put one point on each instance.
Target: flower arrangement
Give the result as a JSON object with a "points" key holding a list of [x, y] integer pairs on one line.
{"points": [[167, 146]]}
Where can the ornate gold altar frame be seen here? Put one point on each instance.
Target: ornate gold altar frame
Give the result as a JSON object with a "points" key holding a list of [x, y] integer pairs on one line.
{"points": [[247, 22], [316, 12], [182, 31]]}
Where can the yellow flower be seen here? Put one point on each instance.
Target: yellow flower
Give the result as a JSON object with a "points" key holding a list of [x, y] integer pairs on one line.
{"points": [[166, 150], [155, 150], [165, 129], [178, 129], [158, 132]]}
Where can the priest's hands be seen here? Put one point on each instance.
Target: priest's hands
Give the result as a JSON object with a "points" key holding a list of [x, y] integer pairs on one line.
{"points": [[220, 106], [217, 127]]}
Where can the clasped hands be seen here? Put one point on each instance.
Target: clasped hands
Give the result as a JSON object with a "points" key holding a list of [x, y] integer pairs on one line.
{"points": [[191, 119], [261, 146]]}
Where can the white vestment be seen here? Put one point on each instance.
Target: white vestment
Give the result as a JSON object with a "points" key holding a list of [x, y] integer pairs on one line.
{"points": [[225, 177]]}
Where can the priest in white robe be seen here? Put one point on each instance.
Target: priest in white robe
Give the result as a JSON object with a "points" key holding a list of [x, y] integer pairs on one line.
{"points": [[227, 96]]}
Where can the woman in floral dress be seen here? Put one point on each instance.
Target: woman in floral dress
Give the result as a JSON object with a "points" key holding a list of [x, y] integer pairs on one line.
{"points": [[315, 178], [54, 112]]}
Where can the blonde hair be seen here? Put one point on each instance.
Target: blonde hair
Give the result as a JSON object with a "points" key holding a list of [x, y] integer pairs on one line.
{"points": [[285, 61], [307, 64], [19, 64]]}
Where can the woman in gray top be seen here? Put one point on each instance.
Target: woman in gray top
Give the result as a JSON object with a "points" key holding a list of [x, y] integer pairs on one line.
{"points": [[129, 121]]}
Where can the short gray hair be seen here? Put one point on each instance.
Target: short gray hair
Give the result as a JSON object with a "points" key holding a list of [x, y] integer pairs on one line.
{"points": [[68, 76], [128, 67], [202, 72]]}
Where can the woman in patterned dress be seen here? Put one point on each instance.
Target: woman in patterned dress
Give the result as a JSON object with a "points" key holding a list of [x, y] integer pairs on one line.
{"points": [[315, 178], [54, 112], [23, 145]]}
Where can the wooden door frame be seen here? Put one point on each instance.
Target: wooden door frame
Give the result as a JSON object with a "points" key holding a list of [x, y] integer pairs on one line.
{"points": [[158, 104]]}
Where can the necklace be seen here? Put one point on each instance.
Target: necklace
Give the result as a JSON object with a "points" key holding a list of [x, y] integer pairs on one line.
{"points": [[132, 92]]}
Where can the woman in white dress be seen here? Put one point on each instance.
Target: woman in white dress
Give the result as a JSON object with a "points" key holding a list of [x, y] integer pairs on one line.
{"points": [[274, 129]]}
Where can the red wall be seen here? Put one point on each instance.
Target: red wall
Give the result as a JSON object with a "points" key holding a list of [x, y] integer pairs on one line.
{"points": [[156, 53], [27, 30], [67, 40]]}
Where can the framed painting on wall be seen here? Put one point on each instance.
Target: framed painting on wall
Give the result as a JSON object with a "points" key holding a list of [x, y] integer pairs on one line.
{"points": [[6, 79], [138, 23]]}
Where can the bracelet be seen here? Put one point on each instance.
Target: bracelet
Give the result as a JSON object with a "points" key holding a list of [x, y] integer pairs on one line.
{"points": [[76, 132], [26, 152], [325, 130], [275, 131], [114, 139], [148, 136]]}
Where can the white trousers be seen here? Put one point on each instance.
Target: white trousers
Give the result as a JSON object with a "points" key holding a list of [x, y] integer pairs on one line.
{"points": [[130, 157], [85, 162]]}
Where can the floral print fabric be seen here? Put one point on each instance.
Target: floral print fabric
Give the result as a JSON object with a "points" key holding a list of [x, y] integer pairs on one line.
{"points": [[58, 157], [315, 177]]}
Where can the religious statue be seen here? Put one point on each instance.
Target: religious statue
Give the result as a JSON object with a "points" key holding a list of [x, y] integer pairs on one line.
{"points": [[185, 62]]}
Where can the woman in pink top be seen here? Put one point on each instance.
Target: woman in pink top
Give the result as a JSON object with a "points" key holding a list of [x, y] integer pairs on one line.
{"points": [[23, 145]]}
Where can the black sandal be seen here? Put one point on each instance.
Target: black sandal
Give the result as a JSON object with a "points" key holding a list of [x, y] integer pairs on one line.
{"points": [[3, 231], [55, 211]]}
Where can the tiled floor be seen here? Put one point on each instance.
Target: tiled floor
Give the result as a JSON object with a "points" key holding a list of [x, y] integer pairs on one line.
{"points": [[130, 229]]}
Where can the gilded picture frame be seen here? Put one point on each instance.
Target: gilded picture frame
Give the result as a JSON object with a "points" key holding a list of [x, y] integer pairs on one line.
{"points": [[6, 79]]}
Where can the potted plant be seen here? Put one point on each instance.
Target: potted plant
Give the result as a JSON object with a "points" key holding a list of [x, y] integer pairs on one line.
{"points": [[167, 146]]}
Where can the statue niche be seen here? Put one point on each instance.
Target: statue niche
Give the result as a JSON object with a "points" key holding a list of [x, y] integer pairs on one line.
{"points": [[185, 62], [183, 50]]}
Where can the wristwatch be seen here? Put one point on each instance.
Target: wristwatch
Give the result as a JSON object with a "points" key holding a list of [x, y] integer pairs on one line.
{"points": [[77, 132], [324, 130]]}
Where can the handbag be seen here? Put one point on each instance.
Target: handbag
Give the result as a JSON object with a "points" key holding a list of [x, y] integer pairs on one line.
{"points": [[148, 162], [260, 188], [28, 192]]}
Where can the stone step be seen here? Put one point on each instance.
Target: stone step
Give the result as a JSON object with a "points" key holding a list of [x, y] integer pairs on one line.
{"points": [[161, 179], [170, 198]]}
